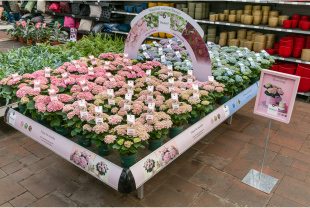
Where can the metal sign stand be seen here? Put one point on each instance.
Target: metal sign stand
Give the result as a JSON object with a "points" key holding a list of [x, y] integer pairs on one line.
{"points": [[259, 180]]}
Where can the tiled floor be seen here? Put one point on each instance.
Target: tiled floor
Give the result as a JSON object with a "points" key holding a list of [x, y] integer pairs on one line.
{"points": [[208, 174]]}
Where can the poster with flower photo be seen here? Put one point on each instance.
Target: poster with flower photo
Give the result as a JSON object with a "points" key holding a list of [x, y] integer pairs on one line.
{"points": [[166, 153], [82, 157], [276, 95], [150, 165], [100, 168]]}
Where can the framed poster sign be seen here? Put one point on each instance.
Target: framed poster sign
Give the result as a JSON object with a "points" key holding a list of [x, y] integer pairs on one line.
{"points": [[276, 95]]}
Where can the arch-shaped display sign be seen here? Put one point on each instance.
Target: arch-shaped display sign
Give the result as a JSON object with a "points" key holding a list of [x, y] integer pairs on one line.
{"points": [[174, 22]]}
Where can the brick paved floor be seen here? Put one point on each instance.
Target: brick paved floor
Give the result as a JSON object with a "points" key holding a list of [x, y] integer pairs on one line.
{"points": [[208, 174]]}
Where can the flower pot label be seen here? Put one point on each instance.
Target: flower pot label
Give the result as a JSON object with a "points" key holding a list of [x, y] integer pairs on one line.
{"points": [[241, 66], [174, 96], [164, 23], [251, 61], [163, 58], [16, 77], [239, 54], [151, 106], [265, 53], [170, 68], [83, 108], [37, 87], [128, 97], [110, 77], [258, 58], [211, 78], [170, 74], [155, 43], [91, 71], [211, 55], [170, 41], [143, 47], [84, 85], [75, 62], [160, 51], [106, 65], [47, 72], [146, 55], [273, 110], [219, 62], [53, 95], [130, 123], [190, 73], [226, 110], [98, 115], [178, 54]]}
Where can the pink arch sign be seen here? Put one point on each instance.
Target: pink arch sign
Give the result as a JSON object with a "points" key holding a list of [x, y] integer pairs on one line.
{"points": [[177, 23]]}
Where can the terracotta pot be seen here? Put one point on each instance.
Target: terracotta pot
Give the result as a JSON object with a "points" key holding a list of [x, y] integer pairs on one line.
{"points": [[29, 42], [56, 43], [257, 20], [248, 7], [238, 17], [242, 18], [250, 32], [232, 35], [223, 35], [241, 44], [216, 17], [232, 18], [248, 19], [248, 12], [257, 47], [271, 37], [273, 21], [305, 55], [234, 42], [222, 17], [222, 42], [45, 39], [266, 8], [260, 38], [15, 38], [232, 12], [248, 44], [240, 12], [226, 11], [269, 45], [257, 7], [273, 13], [264, 20], [241, 34], [212, 17], [22, 40], [38, 41], [282, 18], [265, 13], [257, 13]]}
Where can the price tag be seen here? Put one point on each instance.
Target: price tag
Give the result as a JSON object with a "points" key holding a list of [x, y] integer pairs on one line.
{"points": [[128, 96], [175, 104], [190, 73], [155, 43], [37, 87], [227, 23], [265, 53], [211, 78], [150, 88], [143, 47], [98, 115], [196, 91], [273, 110], [307, 3], [169, 46], [256, 27], [127, 107], [211, 55], [163, 58], [170, 41], [91, 71], [219, 62], [148, 75], [160, 51], [130, 123], [111, 78], [178, 54], [12, 118], [278, 29], [280, 58], [106, 65], [170, 68], [188, 63], [174, 96], [226, 111], [16, 77], [251, 61], [53, 95], [47, 72], [289, 30], [146, 55], [170, 74], [149, 115], [149, 98], [84, 85], [216, 23], [294, 2], [258, 58], [151, 106], [299, 61], [239, 53]]}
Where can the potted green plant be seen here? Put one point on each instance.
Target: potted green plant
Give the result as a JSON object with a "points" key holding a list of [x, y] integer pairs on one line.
{"points": [[15, 31], [58, 35]]}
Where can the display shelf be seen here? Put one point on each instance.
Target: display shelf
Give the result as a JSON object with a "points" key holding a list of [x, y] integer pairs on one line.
{"points": [[149, 37], [127, 180], [124, 12], [292, 30], [98, 3], [291, 59]]}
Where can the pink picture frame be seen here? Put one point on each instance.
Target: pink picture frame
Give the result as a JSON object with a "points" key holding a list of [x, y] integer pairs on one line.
{"points": [[276, 95]]}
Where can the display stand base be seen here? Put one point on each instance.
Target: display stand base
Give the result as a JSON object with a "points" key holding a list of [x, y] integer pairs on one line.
{"points": [[265, 184]]}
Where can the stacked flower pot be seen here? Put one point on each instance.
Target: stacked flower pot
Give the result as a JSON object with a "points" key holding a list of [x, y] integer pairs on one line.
{"points": [[300, 21]]}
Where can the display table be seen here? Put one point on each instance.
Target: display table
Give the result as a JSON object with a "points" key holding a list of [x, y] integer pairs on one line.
{"points": [[127, 180]]}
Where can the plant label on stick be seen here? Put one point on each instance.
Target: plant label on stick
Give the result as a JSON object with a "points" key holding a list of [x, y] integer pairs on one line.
{"points": [[106, 65], [149, 115], [211, 55], [130, 87], [265, 53], [98, 115], [170, 74], [160, 51], [258, 58], [16, 77], [171, 84], [131, 125], [143, 47], [251, 61], [125, 57], [84, 85], [111, 100], [178, 54], [241, 66], [196, 91], [170, 41], [169, 46], [219, 62], [83, 108], [239, 54], [155, 43], [211, 78], [76, 64], [163, 58], [146, 55], [47, 72], [170, 68], [53, 95], [148, 75], [149, 96], [91, 71], [110, 76], [37, 87]]}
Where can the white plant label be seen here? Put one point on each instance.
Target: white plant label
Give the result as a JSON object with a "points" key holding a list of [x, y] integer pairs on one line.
{"points": [[170, 69], [160, 51], [47, 72], [211, 78], [146, 55], [155, 43], [170, 74], [178, 54], [218, 62], [170, 41], [265, 53], [174, 96], [143, 47], [258, 58], [226, 111], [164, 23], [91, 71], [169, 46], [84, 85], [37, 87], [98, 113], [163, 58], [53, 95], [239, 54], [242, 67], [150, 88]]}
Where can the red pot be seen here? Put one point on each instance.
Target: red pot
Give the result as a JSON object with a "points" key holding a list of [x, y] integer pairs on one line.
{"points": [[287, 68], [300, 39], [15, 38], [304, 17], [305, 26], [296, 17], [287, 41], [300, 23], [22, 40], [287, 24], [275, 67], [294, 23], [56, 43], [297, 52], [270, 51], [304, 84], [307, 46], [303, 70], [285, 52], [299, 45], [29, 42]]}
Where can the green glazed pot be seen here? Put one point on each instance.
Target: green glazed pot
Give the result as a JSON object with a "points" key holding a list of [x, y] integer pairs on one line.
{"points": [[2, 102], [175, 131], [128, 160], [194, 119], [246, 85], [154, 144], [253, 80], [41, 121], [237, 92], [22, 109], [103, 149], [62, 130], [223, 99], [83, 141]]}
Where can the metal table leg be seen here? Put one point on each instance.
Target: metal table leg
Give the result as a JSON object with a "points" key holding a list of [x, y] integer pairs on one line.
{"points": [[140, 192], [229, 120]]}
